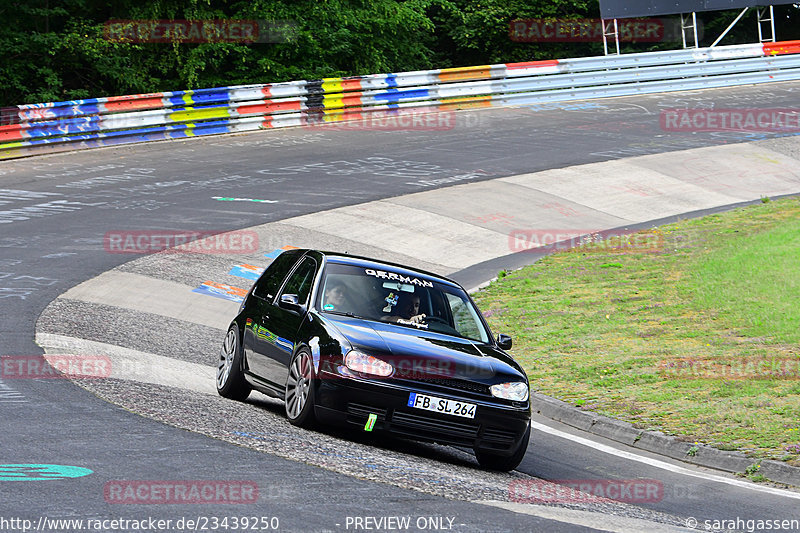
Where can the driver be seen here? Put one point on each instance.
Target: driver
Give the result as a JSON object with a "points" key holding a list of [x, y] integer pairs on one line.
{"points": [[407, 309]]}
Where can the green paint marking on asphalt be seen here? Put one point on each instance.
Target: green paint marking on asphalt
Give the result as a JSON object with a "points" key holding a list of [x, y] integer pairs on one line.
{"points": [[40, 472], [256, 200]]}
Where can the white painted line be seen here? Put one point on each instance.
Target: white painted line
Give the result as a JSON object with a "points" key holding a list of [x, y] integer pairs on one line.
{"points": [[661, 464], [133, 365], [10, 395], [598, 521], [156, 296]]}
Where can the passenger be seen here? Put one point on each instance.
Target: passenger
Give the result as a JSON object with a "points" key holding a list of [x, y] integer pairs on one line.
{"points": [[335, 295]]}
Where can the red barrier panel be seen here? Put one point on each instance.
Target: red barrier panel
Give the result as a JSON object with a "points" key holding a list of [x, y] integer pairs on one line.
{"points": [[785, 47]]}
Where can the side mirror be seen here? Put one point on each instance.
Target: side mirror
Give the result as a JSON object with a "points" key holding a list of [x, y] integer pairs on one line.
{"points": [[504, 342], [290, 302]]}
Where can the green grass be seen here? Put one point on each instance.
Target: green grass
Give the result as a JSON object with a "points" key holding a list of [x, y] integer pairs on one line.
{"points": [[693, 331], [755, 283]]}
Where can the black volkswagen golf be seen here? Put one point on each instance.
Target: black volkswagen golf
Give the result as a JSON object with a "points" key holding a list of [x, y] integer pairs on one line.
{"points": [[379, 347]]}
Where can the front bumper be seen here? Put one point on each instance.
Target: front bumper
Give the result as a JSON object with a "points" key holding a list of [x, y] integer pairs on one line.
{"points": [[496, 428]]}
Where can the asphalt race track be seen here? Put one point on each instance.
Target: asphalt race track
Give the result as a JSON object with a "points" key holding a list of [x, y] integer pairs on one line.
{"points": [[56, 210]]}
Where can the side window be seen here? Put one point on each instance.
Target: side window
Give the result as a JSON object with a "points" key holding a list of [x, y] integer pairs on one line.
{"points": [[438, 307], [301, 280], [270, 281], [466, 322]]}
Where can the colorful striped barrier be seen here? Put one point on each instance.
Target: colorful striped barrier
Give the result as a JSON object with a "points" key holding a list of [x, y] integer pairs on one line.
{"points": [[60, 126]]}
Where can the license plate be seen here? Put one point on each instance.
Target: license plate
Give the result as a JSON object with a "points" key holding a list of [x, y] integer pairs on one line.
{"points": [[441, 405]]}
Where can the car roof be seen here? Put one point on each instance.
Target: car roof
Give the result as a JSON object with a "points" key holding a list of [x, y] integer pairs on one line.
{"points": [[357, 260]]}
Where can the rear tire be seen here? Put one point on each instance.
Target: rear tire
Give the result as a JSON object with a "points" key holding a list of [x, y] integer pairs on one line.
{"points": [[230, 379], [299, 397], [492, 461]]}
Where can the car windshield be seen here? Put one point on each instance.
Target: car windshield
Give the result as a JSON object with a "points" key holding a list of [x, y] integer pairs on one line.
{"points": [[405, 299]]}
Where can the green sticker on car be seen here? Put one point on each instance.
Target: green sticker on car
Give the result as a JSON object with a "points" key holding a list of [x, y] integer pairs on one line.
{"points": [[370, 422]]}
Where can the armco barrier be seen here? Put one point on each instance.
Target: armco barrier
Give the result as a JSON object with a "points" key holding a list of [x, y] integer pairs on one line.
{"points": [[59, 126]]}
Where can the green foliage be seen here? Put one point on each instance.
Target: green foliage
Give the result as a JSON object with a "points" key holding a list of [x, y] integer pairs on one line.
{"points": [[61, 53], [476, 32], [752, 472], [56, 49]]}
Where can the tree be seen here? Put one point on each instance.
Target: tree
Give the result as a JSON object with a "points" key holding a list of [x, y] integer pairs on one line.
{"points": [[62, 49]]}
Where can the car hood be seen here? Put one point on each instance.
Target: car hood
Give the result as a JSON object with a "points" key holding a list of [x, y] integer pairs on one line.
{"points": [[425, 352]]}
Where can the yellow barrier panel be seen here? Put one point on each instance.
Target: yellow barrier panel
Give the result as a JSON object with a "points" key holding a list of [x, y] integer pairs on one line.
{"points": [[466, 73], [333, 102], [192, 114], [468, 102], [332, 85]]}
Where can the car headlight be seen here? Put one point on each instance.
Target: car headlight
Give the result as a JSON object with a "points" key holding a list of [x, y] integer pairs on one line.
{"points": [[366, 364], [517, 391]]}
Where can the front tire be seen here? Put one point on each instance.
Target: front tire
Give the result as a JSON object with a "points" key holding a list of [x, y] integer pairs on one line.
{"points": [[299, 397], [491, 461], [230, 379]]}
